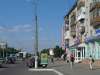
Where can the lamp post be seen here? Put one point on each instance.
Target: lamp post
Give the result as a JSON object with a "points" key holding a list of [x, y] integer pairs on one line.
{"points": [[36, 35], [3, 48]]}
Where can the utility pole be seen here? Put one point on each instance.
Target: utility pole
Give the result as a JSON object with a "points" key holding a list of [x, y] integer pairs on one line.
{"points": [[36, 36]]}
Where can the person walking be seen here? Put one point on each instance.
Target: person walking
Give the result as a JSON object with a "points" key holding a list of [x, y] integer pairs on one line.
{"points": [[91, 61], [65, 57], [51, 53], [72, 58]]}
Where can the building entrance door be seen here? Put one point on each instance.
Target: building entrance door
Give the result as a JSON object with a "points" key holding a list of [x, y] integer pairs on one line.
{"points": [[80, 54]]}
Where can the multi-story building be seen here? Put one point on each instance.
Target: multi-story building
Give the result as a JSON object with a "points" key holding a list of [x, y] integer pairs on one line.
{"points": [[66, 33], [93, 39], [84, 29]]}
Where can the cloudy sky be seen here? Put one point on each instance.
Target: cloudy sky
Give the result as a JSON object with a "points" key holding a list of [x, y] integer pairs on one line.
{"points": [[17, 22]]}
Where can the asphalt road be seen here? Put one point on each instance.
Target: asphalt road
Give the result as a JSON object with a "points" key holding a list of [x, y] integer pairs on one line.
{"points": [[58, 68], [21, 69]]}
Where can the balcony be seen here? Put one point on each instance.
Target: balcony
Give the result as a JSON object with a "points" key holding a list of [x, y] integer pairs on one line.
{"points": [[94, 5], [72, 23], [81, 14], [73, 33], [73, 20], [67, 35], [66, 27], [95, 21], [81, 17], [82, 29], [80, 3]]}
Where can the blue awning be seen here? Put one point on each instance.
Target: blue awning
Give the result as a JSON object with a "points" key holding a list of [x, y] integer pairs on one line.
{"points": [[89, 39]]}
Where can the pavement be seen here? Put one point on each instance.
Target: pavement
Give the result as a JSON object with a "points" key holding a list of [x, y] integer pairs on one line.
{"points": [[78, 68], [56, 68]]}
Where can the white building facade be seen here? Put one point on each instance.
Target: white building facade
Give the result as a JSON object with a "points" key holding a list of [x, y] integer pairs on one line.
{"points": [[84, 29]]}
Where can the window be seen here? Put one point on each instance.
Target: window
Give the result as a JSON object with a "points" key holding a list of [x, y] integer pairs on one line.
{"points": [[96, 1], [95, 13]]}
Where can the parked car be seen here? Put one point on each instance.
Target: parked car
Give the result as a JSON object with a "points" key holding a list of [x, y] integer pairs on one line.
{"points": [[10, 60]]}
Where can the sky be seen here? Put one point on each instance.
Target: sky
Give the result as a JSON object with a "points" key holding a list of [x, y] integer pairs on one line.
{"points": [[17, 24]]}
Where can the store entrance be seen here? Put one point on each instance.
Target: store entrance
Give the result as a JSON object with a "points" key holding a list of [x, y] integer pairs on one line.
{"points": [[80, 54]]}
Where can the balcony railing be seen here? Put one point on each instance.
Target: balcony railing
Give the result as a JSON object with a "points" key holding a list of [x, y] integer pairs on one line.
{"points": [[94, 5]]}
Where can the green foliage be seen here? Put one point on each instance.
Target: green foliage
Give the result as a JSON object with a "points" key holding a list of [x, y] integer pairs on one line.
{"points": [[8, 51], [58, 51], [45, 51]]}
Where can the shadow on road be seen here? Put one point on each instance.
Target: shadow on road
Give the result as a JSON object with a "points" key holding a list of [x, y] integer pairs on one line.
{"points": [[3, 66]]}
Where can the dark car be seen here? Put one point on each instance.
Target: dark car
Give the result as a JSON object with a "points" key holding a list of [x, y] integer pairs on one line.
{"points": [[30, 62], [10, 60]]}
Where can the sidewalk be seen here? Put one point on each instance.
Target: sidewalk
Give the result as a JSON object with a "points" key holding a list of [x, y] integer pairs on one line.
{"points": [[96, 63], [78, 69]]}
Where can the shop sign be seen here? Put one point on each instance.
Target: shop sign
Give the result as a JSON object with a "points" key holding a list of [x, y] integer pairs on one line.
{"points": [[97, 31]]}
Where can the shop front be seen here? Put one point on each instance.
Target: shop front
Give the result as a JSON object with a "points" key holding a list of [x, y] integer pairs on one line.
{"points": [[78, 50], [93, 46], [97, 44]]}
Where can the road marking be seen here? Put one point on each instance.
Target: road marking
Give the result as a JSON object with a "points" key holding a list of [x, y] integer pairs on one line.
{"points": [[53, 70]]}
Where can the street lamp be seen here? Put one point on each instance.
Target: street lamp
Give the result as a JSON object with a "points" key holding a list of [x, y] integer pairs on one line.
{"points": [[36, 35]]}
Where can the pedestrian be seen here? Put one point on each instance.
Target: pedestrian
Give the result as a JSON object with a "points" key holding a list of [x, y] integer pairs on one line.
{"points": [[64, 57], [72, 58], [91, 61], [51, 53]]}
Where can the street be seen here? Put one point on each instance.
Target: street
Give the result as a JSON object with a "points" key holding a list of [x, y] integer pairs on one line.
{"points": [[58, 68], [21, 69]]}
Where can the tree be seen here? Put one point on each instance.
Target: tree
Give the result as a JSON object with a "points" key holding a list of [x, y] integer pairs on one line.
{"points": [[58, 51], [45, 51], [8, 51]]}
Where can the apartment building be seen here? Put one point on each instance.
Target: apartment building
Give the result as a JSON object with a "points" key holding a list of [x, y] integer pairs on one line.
{"points": [[66, 33], [83, 25]]}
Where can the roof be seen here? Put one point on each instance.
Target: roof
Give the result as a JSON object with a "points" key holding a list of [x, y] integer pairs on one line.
{"points": [[73, 7]]}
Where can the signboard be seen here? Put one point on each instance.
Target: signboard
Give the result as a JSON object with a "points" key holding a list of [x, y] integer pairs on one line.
{"points": [[97, 32], [44, 58]]}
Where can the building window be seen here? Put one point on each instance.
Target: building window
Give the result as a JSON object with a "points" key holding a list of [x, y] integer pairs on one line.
{"points": [[96, 1], [95, 13], [73, 18]]}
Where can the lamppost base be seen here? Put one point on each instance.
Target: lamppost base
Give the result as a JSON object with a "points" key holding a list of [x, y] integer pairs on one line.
{"points": [[36, 62]]}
